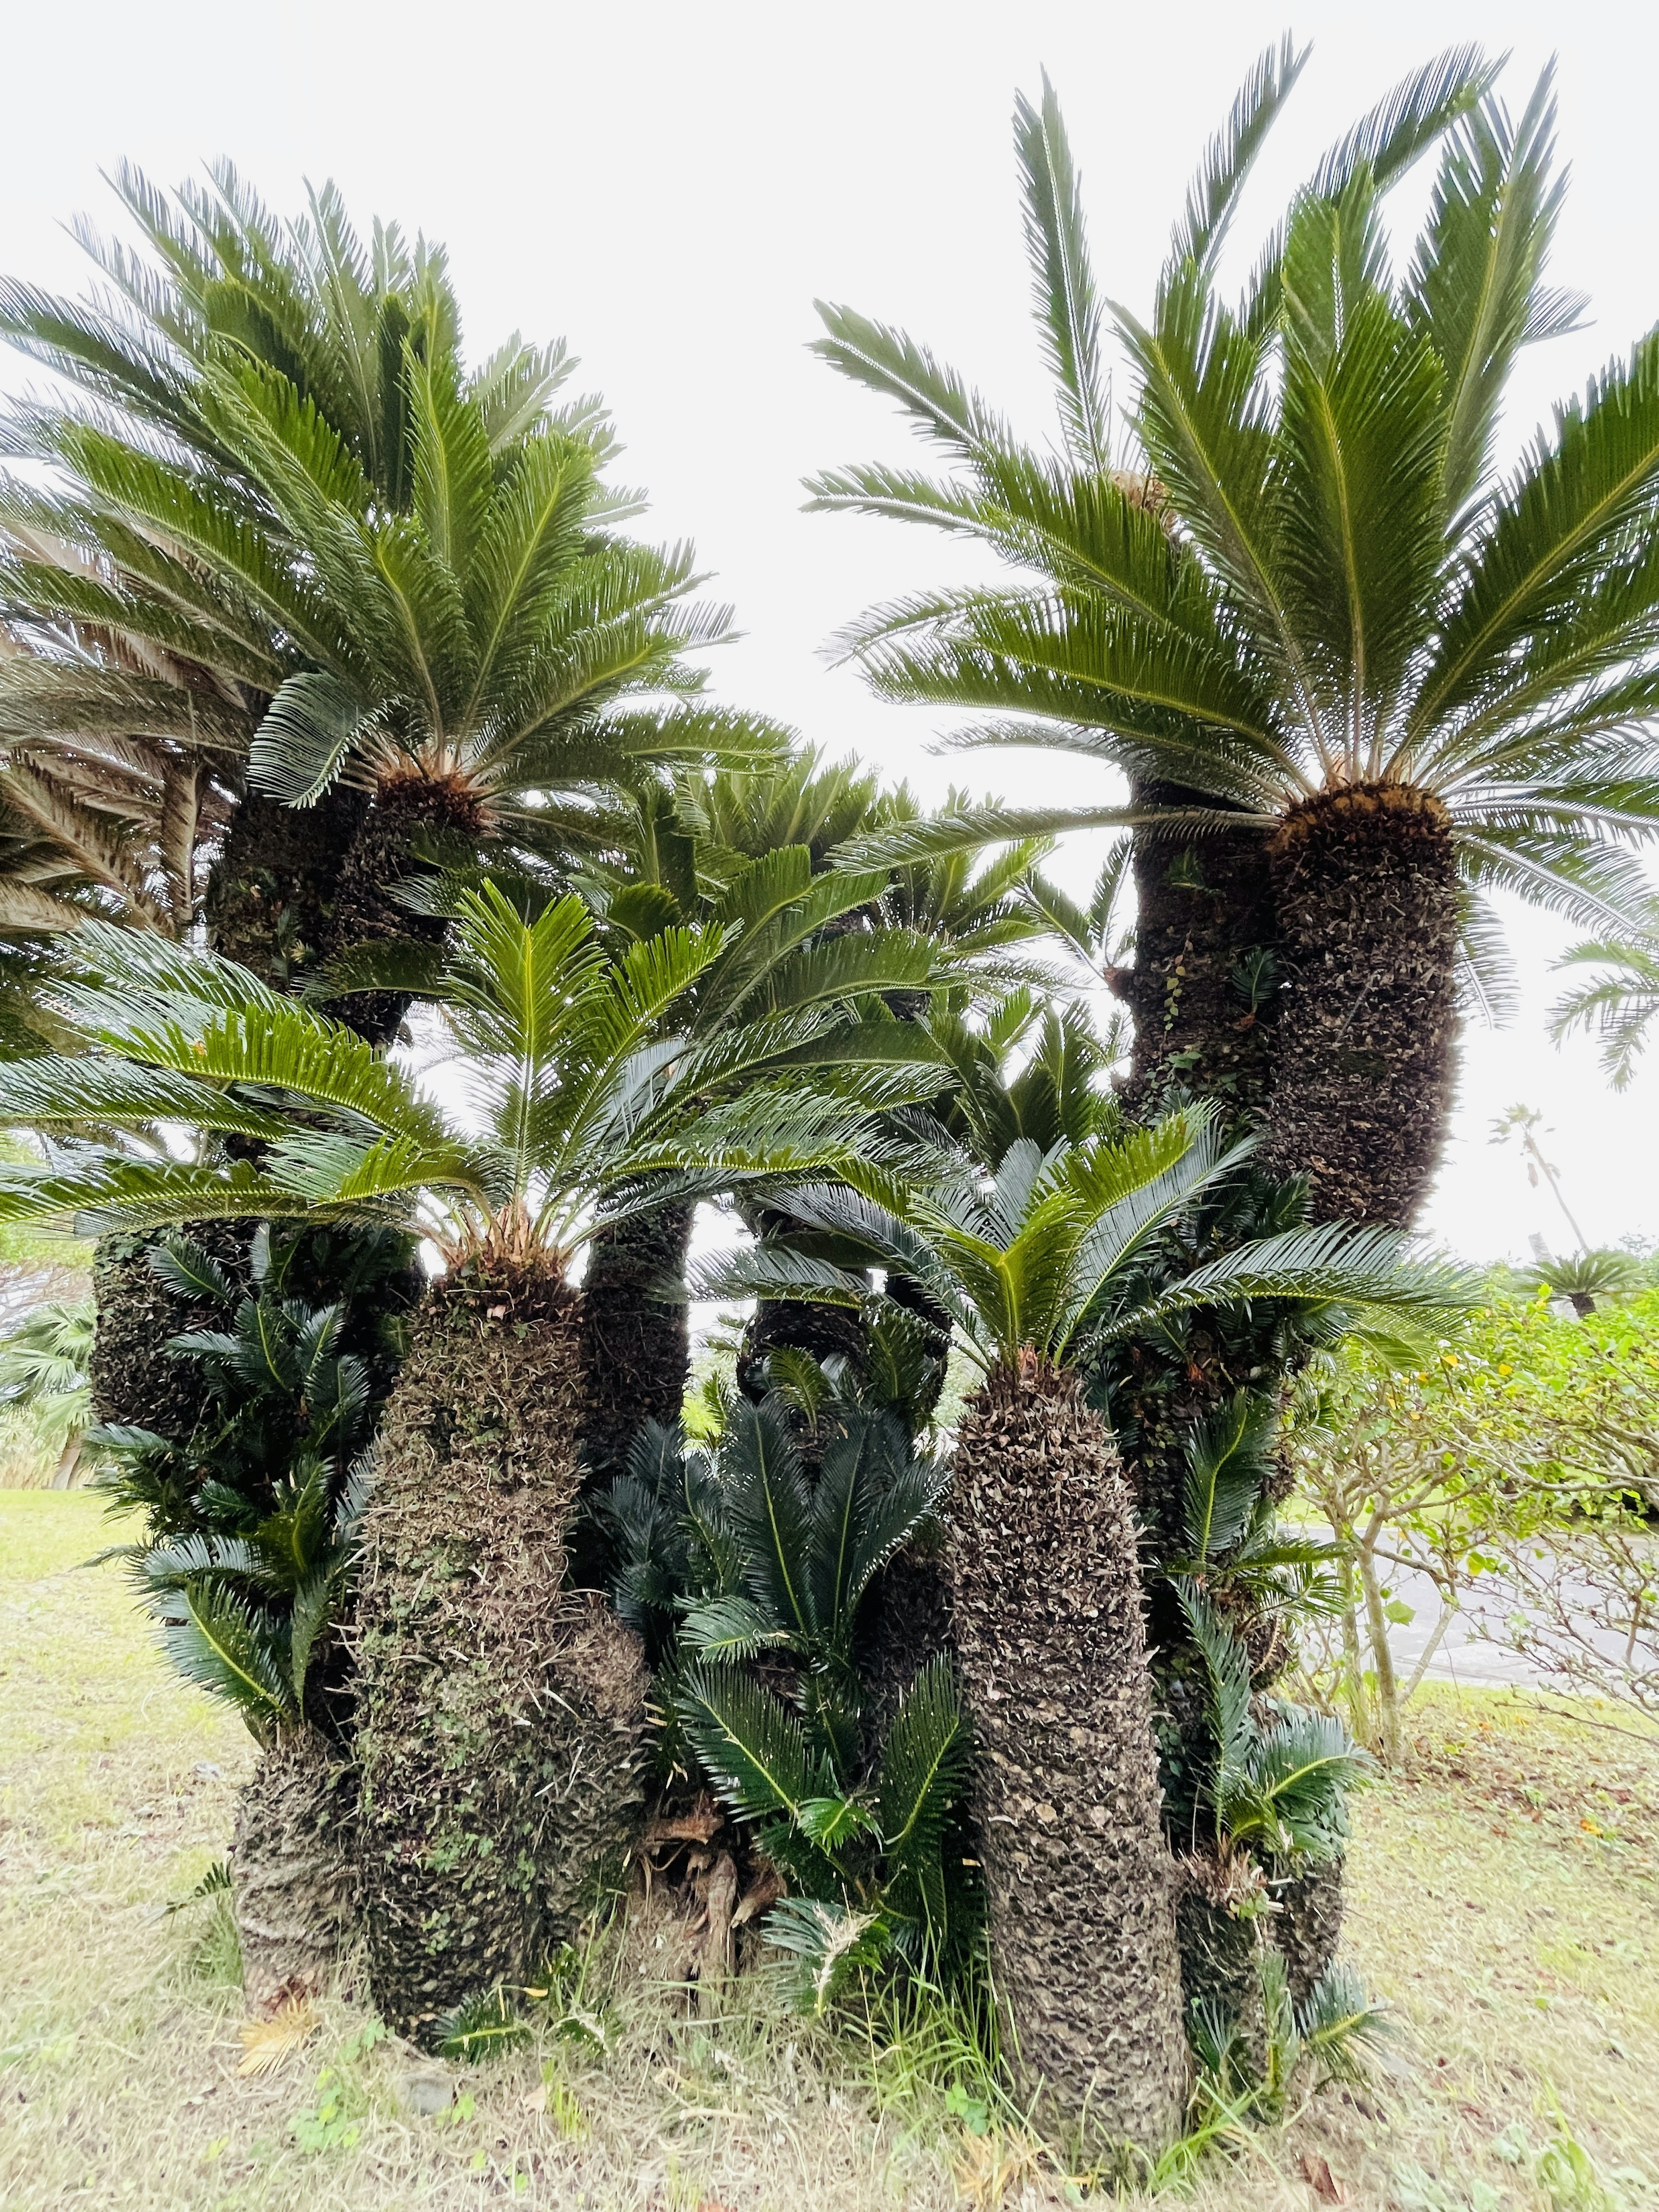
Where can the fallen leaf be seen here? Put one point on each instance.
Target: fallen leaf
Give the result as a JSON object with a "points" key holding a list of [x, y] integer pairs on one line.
{"points": [[1317, 2172], [266, 2042]]}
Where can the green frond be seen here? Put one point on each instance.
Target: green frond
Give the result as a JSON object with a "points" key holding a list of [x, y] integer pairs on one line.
{"points": [[754, 1747]]}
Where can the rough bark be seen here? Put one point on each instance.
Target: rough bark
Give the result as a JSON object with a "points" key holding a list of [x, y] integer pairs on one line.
{"points": [[826, 1331], [134, 1380], [1221, 1957], [636, 1348], [270, 897], [290, 1865], [500, 1718], [910, 1623], [382, 853], [1047, 1605], [1203, 903], [1307, 1925], [1366, 883]]}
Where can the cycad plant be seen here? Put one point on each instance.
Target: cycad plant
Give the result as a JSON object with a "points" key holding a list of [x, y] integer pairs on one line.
{"points": [[292, 521], [44, 1364], [1588, 1279], [1271, 1810], [1619, 1000], [1033, 1257], [253, 1521], [1299, 605], [757, 846], [490, 1782], [749, 1574]]}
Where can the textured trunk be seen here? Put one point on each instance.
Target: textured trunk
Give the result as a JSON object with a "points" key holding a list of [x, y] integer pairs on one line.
{"points": [[1366, 882], [134, 1381], [270, 898], [1204, 904], [802, 1325], [1047, 1607], [500, 1718], [382, 853], [290, 1865], [908, 1623], [636, 1348], [1221, 1958], [1307, 1925]]}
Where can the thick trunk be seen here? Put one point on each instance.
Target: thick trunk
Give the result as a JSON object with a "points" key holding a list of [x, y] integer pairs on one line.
{"points": [[290, 1865], [826, 1332], [1307, 1925], [270, 898], [1221, 1959], [367, 910], [908, 1623], [134, 1381], [1046, 1605], [1366, 882], [1204, 906], [500, 1718], [636, 1348]]}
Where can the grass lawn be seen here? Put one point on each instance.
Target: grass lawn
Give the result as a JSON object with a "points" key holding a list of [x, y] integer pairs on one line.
{"points": [[1503, 1901]]}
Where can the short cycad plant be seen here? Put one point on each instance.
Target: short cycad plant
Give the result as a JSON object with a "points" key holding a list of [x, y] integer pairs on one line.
{"points": [[1034, 1258], [499, 1718], [749, 1574], [252, 1522]]}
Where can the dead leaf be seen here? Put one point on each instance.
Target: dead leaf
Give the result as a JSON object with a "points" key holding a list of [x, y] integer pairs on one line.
{"points": [[700, 1826], [266, 2042], [1317, 2172], [764, 1891]]}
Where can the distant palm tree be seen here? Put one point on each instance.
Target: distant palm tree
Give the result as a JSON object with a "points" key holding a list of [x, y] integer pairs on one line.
{"points": [[1587, 1278], [1300, 607]]}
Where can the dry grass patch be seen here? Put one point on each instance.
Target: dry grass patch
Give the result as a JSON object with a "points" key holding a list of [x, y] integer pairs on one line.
{"points": [[1503, 1896]]}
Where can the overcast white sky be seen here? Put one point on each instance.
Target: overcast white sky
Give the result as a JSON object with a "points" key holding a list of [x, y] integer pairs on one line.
{"points": [[670, 187]]}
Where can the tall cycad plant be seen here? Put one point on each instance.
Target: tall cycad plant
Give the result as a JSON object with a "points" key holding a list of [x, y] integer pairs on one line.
{"points": [[277, 479], [1300, 604], [1033, 1257], [498, 1717]]}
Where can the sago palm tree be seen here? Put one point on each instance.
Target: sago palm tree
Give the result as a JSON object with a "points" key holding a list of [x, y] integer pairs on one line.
{"points": [[1300, 605], [186, 564], [1619, 1002], [492, 1782], [1033, 1257]]}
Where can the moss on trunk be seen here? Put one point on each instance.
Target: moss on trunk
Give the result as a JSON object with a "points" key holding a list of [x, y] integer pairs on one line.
{"points": [[271, 895], [290, 1864], [1366, 882], [134, 1380], [1204, 905], [500, 1717], [636, 1348], [1046, 1605], [367, 910]]}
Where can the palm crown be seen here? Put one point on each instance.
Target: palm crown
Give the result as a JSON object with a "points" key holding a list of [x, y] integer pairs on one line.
{"points": [[1037, 1254], [578, 1085], [275, 467], [1305, 572]]}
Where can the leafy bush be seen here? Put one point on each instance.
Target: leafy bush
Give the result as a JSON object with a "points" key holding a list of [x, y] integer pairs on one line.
{"points": [[747, 1576], [252, 1520]]}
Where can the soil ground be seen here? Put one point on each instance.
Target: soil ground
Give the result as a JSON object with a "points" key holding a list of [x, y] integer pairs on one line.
{"points": [[1503, 1895]]}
